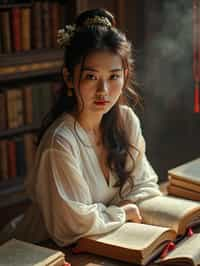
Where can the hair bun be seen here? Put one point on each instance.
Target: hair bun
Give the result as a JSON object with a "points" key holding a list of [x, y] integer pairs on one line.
{"points": [[91, 13]]}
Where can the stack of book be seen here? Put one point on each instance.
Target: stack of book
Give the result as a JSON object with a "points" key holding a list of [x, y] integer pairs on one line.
{"points": [[184, 180]]}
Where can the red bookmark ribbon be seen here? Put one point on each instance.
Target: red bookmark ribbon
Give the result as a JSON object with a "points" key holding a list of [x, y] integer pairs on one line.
{"points": [[169, 247], [190, 232]]}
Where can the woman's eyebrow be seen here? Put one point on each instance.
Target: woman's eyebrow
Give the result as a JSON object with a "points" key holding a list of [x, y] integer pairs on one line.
{"points": [[95, 70]]}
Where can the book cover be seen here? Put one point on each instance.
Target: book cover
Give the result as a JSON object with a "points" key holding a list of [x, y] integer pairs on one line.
{"points": [[37, 25], [46, 24], [12, 167], [26, 28], [28, 106], [16, 252], [16, 28], [3, 159], [55, 22], [3, 115], [186, 253], [189, 171], [6, 31]]}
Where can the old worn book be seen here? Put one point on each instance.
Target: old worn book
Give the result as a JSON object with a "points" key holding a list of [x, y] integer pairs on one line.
{"points": [[165, 219], [184, 180], [15, 253], [186, 253], [183, 192]]}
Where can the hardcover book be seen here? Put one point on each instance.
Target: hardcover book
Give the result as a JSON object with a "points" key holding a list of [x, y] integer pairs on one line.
{"points": [[184, 180], [166, 219], [16, 252]]}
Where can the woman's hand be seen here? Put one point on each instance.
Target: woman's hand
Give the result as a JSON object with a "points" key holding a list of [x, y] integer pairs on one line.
{"points": [[131, 210]]}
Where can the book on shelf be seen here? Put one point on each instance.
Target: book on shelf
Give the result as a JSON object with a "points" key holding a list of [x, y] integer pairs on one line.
{"points": [[184, 180], [34, 26], [16, 28], [3, 122], [26, 28], [16, 156], [3, 160], [166, 219], [5, 31], [16, 252]]}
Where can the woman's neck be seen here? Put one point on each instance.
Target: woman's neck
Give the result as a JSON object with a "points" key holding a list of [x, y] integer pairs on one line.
{"points": [[92, 127]]}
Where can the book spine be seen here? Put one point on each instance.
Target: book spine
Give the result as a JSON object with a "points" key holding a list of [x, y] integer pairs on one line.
{"points": [[12, 170], [3, 159], [10, 108], [6, 31], [25, 28], [46, 24], [19, 108], [16, 32], [37, 25], [55, 22], [28, 107], [3, 115]]}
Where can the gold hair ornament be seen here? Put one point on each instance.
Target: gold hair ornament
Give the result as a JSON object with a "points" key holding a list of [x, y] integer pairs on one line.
{"points": [[64, 35]]}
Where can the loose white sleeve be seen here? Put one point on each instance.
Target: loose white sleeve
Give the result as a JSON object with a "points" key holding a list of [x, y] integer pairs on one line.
{"points": [[65, 200]]}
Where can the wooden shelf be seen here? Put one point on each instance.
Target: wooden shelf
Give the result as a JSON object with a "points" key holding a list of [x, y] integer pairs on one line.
{"points": [[16, 131], [30, 64], [6, 6]]}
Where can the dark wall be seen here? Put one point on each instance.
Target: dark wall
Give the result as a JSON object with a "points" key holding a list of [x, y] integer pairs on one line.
{"points": [[164, 61]]}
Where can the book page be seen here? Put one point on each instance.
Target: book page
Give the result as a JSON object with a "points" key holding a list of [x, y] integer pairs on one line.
{"points": [[186, 249], [190, 170], [132, 242], [132, 236], [169, 211]]}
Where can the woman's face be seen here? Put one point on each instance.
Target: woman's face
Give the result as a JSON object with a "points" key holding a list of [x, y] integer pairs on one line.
{"points": [[101, 82]]}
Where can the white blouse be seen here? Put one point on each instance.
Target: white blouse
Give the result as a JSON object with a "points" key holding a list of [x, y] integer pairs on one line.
{"points": [[68, 186]]}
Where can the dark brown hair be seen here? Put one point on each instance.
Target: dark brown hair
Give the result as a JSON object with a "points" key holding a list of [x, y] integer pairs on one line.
{"points": [[89, 39]]}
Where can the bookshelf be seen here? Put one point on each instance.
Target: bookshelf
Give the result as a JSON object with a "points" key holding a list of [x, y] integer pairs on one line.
{"points": [[30, 65]]}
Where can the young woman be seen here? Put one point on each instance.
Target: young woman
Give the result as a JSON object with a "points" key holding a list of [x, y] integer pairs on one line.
{"points": [[91, 169]]}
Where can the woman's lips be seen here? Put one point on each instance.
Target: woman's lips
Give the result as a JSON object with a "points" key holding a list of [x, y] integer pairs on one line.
{"points": [[101, 102]]}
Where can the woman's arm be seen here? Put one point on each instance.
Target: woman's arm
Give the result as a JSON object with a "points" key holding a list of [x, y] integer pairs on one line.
{"points": [[65, 199]]}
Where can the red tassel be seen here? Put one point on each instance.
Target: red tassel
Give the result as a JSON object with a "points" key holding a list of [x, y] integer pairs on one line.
{"points": [[196, 99], [190, 232], [170, 246], [67, 264]]}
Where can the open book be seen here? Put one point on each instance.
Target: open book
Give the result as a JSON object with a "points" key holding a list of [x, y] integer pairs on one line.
{"points": [[16, 252], [186, 253], [184, 180], [165, 219]]}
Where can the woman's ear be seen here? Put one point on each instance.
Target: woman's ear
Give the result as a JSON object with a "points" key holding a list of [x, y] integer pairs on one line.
{"points": [[67, 77]]}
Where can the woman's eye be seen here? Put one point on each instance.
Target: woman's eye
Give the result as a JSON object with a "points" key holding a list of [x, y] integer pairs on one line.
{"points": [[115, 76], [90, 77]]}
